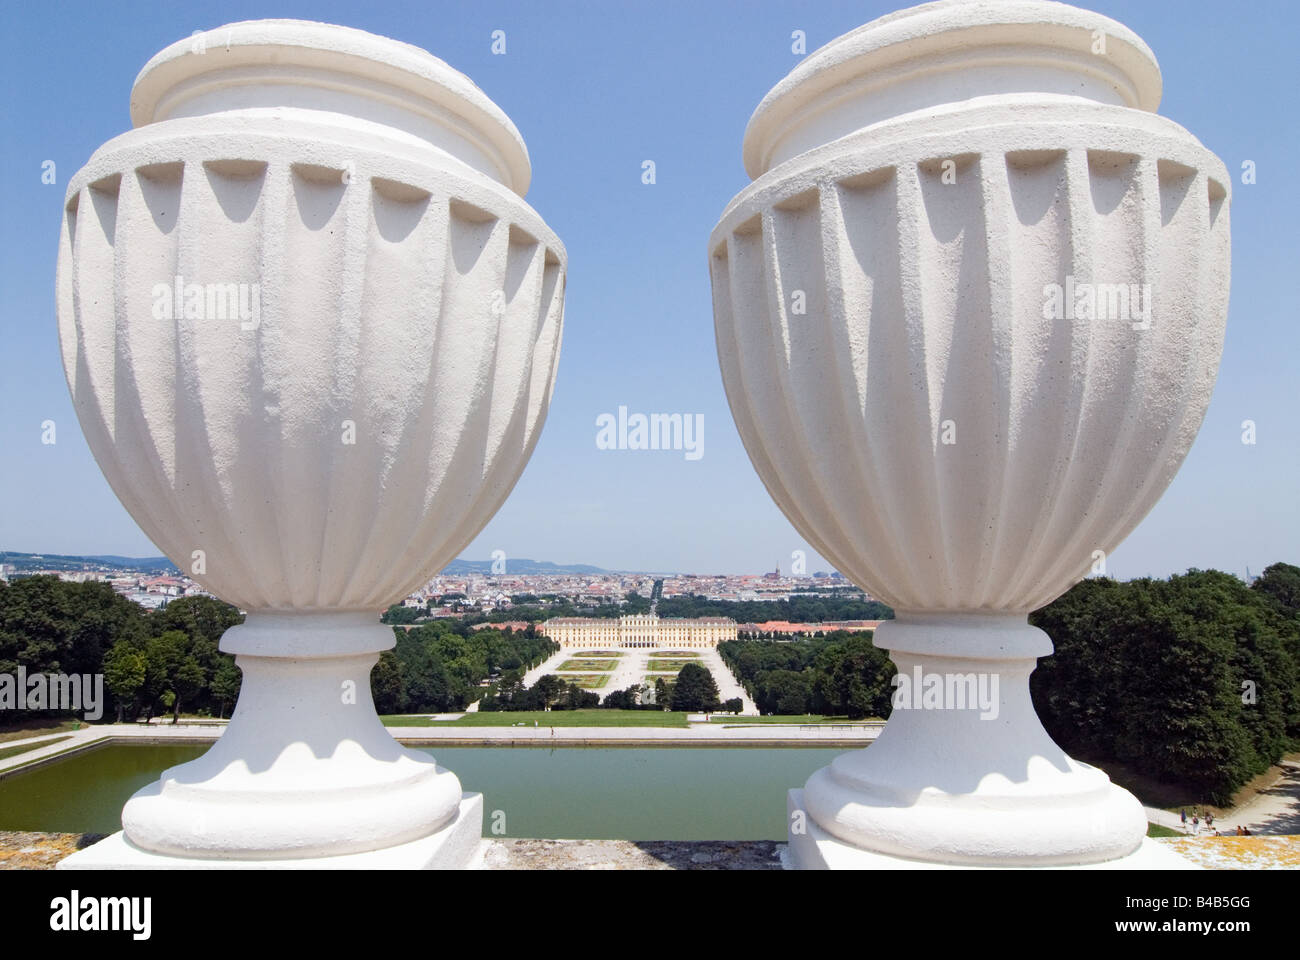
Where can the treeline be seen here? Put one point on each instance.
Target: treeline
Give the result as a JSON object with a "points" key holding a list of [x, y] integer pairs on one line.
{"points": [[439, 666], [153, 661], [694, 690], [400, 614], [528, 607], [166, 660], [524, 607], [1194, 680], [548, 693], [840, 674], [798, 609]]}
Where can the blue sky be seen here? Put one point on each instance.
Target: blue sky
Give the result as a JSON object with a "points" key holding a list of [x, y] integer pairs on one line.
{"points": [[595, 89]]}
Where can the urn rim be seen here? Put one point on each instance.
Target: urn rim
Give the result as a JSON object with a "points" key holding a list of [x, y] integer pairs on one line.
{"points": [[945, 39], [345, 51], [990, 128]]}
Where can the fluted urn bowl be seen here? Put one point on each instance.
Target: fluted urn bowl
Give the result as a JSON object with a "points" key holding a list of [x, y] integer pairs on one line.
{"points": [[309, 325], [969, 316], [310, 328]]}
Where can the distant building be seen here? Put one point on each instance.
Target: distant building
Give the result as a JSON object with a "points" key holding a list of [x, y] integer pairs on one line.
{"points": [[807, 629], [518, 626], [164, 586], [645, 630]]}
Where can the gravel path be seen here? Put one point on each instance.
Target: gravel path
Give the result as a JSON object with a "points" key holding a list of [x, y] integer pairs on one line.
{"points": [[1272, 811]]}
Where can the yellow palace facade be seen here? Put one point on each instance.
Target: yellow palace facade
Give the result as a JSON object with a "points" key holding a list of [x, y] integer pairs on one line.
{"points": [[645, 630]]}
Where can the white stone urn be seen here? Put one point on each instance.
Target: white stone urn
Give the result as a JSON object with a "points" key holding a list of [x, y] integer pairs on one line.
{"points": [[310, 328], [969, 317]]}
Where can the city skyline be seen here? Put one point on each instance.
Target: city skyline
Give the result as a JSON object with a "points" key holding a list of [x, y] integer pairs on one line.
{"points": [[578, 568], [639, 331]]}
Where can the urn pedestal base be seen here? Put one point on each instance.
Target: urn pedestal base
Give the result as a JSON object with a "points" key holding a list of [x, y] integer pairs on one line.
{"points": [[306, 770], [457, 846], [964, 772], [812, 848]]}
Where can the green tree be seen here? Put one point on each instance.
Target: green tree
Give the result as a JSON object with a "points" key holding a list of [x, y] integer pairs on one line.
{"points": [[784, 692], [201, 618], [695, 689], [1193, 680], [124, 673], [628, 699], [663, 692], [549, 689], [442, 664], [48, 625], [634, 603], [401, 614], [575, 698], [164, 655], [1280, 582], [226, 683], [851, 676], [189, 681]]}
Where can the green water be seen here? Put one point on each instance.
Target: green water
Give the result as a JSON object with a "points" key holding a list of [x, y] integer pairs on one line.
{"points": [[623, 793], [85, 792]]}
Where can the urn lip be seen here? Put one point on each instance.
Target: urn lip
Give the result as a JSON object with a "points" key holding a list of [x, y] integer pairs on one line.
{"points": [[947, 52], [332, 60]]}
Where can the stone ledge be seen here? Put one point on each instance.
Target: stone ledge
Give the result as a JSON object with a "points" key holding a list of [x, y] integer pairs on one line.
{"points": [[42, 851], [21, 850], [632, 855]]}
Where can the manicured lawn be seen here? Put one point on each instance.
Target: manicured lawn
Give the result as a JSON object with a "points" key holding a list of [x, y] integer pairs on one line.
{"points": [[794, 718], [1155, 830], [673, 665], [34, 728], [607, 663], [7, 752], [597, 653], [674, 654], [554, 718], [588, 681], [411, 719]]}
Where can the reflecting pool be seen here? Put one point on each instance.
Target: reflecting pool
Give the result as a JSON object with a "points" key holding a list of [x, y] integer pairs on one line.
{"points": [[622, 793]]}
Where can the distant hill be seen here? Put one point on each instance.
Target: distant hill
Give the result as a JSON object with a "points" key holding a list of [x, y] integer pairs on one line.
{"points": [[519, 565], [24, 562]]}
